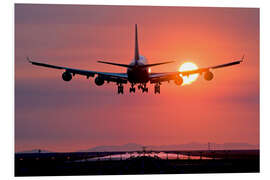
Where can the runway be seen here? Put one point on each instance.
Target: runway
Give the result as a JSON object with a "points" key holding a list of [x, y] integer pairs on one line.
{"points": [[146, 162]]}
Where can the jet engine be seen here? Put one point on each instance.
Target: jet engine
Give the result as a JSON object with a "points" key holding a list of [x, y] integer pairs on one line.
{"points": [[66, 76], [208, 76], [178, 81], [99, 81]]}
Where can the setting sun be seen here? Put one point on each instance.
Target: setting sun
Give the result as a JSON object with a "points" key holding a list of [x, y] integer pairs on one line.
{"points": [[187, 66]]}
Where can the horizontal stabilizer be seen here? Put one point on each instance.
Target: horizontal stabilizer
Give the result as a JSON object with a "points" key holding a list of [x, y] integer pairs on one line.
{"points": [[156, 64], [115, 64]]}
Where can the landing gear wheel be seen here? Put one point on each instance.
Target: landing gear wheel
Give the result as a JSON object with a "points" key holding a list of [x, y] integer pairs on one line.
{"points": [[120, 89], [144, 89], [132, 89], [157, 89]]}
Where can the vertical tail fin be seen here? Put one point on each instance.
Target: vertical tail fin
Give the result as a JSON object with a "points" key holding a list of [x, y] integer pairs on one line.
{"points": [[136, 57]]}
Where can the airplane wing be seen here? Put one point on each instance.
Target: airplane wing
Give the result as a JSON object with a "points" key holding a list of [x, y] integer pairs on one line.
{"points": [[110, 77], [167, 76]]}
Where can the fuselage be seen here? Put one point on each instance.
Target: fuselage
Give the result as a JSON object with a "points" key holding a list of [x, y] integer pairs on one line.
{"points": [[137, 73]]}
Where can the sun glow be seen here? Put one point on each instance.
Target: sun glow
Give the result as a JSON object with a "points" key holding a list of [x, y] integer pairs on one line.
{"points": [[187, 66]]}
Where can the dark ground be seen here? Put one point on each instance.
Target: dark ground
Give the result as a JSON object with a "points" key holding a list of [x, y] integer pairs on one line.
{"points": [[51, 164]]}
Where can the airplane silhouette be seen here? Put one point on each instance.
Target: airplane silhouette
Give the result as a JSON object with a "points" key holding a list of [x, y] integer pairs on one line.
{"points": [[137, 72]]}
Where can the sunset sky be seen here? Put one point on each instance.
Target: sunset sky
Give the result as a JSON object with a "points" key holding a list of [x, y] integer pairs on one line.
{"points": [[68, 116]]}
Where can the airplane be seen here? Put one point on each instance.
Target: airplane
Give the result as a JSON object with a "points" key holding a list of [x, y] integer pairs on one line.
{"points": [[137, 72]]}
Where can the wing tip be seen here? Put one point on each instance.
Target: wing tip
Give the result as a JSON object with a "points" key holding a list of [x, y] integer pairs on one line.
{"points": [[243, 57], [28, 59]]}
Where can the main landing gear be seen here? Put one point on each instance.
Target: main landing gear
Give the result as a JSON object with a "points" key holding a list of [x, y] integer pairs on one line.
{"points": [[120, 89], [132, 88], [157, 88], [140, 87]]}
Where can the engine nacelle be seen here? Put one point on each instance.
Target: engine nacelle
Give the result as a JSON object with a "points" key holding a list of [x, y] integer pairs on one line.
{"points": [[99, 81], [66, 76], [178, 81], [208, 76]]}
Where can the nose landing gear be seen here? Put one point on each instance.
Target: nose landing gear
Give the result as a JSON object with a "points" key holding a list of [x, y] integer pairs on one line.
{"points": [[144, 88]]}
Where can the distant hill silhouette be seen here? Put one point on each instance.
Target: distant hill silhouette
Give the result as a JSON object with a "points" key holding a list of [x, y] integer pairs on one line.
{"points": [[188, 146], [35, 151], [138, 147], [125, 147]]}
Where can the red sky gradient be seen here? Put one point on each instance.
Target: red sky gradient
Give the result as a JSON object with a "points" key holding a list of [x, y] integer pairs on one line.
{"points": [[69, 116]]}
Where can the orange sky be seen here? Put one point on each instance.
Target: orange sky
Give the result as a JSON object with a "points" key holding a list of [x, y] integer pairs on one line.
{"points": [[61, 116]]}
